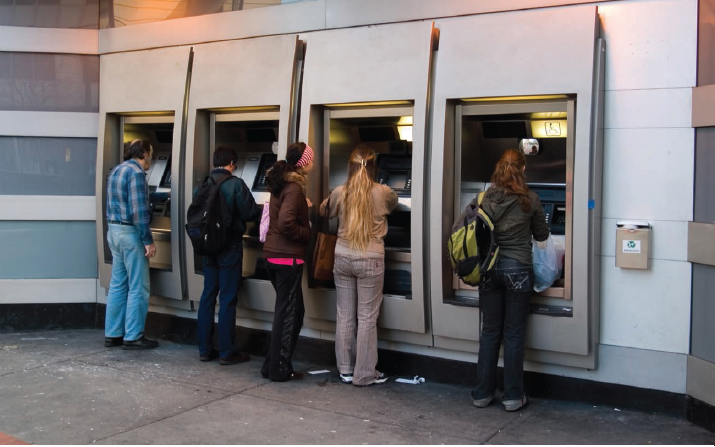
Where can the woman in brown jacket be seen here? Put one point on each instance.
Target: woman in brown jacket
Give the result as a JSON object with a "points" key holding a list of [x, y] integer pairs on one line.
{"points": [[284, 250]]}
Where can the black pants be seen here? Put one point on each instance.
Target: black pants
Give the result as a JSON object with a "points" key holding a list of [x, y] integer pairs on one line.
{"points": [[287, 320]]}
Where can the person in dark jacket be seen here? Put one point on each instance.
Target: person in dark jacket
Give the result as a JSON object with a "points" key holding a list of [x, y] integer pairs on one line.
{"points": [[505, 291], [284, 250], [222, 272]]}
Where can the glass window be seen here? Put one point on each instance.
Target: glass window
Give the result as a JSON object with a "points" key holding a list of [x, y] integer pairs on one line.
{"points": [[118, 13], [49, 82], [83, 14], [47, 166], [48, 249]]}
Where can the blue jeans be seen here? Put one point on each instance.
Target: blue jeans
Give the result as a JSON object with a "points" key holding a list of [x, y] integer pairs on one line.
{"points": [[504, 294], [222, 278], [128, 297]]}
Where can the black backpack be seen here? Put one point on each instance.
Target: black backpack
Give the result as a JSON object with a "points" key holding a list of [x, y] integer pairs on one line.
{"points": [[208, 219]]}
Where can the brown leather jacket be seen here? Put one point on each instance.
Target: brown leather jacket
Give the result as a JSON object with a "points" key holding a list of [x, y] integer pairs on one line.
{"points": [[289, 228]]}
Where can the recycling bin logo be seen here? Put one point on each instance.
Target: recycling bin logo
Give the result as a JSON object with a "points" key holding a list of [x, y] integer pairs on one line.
{"points": [[631, 244]]}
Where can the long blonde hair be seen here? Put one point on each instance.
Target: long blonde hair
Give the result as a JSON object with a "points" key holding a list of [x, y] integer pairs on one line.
{"points": [[357, 198]]}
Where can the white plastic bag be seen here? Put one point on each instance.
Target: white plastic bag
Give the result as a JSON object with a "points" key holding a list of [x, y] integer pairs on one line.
{"points": [[265, 221], [546, 267]]}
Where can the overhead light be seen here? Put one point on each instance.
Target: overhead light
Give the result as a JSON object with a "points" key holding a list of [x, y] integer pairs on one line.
{"points": [[405, 132], [549, 128]]}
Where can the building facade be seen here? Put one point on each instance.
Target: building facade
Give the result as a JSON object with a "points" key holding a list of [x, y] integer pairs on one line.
{"points": [[624, 91]]}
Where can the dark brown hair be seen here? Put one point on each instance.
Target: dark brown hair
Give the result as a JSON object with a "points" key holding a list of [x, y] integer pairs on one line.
{"points": [[275, 177]]}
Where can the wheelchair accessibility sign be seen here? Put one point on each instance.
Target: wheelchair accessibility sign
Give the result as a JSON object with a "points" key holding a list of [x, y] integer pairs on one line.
{"points": [[631, 246]]}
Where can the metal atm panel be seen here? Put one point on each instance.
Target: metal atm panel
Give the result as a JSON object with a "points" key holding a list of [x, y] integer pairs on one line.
{"points": [[383, 133], [240, 83], [156, 98], [344, 72], [575, 77]]}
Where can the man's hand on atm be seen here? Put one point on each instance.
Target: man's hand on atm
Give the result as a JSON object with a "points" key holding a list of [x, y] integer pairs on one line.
{"points": [[150, 250]]}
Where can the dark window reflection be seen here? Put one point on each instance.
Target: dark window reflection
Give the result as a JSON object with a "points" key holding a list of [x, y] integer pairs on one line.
{"points": [[49, 82], [83, 14], [47, 166]]}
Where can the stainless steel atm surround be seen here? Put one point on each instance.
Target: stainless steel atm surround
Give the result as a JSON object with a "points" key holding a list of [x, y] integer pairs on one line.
{"points": [[159, 129], [252, 132], [387, 130], [483, 130]]}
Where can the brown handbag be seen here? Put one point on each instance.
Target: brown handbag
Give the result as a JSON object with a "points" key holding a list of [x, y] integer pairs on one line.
{"points": [[324, 253]]}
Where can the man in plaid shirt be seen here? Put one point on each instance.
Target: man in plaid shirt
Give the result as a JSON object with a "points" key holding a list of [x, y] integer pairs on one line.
{"points": [[131, 242]]}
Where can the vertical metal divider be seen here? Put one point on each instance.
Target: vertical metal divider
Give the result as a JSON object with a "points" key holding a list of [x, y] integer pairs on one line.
{"points": [[570, 180], [296, 90], [457, 183], [427, 177], [183, 272], [595, 195]]}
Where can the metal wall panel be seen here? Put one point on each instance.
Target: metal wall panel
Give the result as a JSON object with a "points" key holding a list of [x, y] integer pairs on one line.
{"points": [[149, 83], [471, 64], [293, 18], [253, 73], [368, 65], [47, 250], [706, 42], [49, 40], [704, 206], [703, 329]]}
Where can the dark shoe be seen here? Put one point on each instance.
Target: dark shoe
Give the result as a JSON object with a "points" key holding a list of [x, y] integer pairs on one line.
{"points": [[295, 375], [236, 357], [110, 342], [213, 355], [142, 343]]}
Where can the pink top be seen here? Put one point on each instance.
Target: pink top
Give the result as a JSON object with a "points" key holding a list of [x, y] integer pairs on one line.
{"points": [[285, 261]]}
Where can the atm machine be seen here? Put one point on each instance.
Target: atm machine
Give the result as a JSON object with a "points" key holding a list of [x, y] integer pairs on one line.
{"points": [[390, 137], [540, 130], [159, 131], [253, 134]]}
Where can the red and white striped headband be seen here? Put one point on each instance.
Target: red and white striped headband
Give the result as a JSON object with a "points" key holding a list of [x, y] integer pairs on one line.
{"points": [[306, 158]]}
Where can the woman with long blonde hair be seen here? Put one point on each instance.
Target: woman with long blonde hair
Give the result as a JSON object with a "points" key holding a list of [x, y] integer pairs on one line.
{"points": [[505, 290], [362, 206]]}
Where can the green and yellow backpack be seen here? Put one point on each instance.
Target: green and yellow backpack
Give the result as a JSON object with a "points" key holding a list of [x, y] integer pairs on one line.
{"points": [[472, 245]]}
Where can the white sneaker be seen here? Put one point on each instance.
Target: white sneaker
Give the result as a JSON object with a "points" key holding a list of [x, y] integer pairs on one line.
{"points": [[483, 402], [379, 378], [346, 378], [515, 404]]}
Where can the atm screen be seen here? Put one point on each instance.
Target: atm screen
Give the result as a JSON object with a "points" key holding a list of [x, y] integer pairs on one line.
{"points": [[397, 180], [166, 179]]}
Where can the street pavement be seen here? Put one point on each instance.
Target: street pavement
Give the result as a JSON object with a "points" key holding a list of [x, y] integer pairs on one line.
{"points": [[65, 387]]}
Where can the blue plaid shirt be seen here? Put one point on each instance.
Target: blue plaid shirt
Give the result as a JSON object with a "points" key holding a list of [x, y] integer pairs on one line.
{"points": [[128, 198]]}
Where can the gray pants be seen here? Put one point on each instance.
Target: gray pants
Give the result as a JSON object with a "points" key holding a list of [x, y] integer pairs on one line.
{"points": [[358, 282]]}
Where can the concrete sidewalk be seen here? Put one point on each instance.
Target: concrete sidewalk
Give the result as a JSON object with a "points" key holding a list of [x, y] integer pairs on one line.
{"points": [[64, 387]]}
